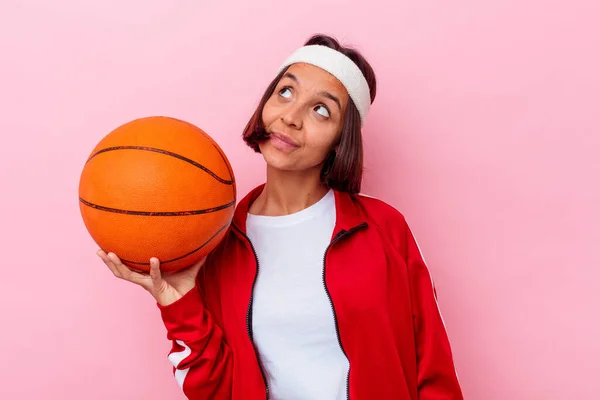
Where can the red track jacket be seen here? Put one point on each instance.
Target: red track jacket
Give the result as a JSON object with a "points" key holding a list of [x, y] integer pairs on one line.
{"points": [[382, 296]]}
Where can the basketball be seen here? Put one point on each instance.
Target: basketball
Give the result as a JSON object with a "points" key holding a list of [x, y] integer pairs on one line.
{"points": [[157, 187]]}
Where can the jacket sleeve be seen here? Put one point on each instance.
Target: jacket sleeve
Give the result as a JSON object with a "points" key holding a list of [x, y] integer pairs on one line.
{"points": [[436, 376], [202, 361]]}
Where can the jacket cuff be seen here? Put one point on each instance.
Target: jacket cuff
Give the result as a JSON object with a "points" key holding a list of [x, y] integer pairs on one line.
{"points": [[182, 309]]}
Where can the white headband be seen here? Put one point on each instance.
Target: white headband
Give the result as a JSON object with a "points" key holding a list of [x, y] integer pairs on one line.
{"points": [[340, 66]]}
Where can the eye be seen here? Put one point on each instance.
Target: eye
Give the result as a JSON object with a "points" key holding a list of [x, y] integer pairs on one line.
{"points": [[285, 92], [322, 110]]}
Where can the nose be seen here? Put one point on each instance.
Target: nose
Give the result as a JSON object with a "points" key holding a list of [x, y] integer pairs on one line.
{"points": [[292, 116]]}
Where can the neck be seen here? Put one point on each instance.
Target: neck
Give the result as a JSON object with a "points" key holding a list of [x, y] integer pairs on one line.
{"points": [[287, 192]]}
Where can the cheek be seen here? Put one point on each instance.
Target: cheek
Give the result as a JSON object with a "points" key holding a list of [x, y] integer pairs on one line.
{"points": [[321, 141], [269, 113]]}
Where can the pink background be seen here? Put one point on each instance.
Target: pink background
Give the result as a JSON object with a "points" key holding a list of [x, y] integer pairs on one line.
{"points": [[484, 133]]}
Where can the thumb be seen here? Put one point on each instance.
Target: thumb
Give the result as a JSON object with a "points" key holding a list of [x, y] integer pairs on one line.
{"points": [[155, 273]]}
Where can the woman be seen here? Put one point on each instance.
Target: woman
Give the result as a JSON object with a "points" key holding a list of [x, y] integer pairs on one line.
{"points": [[316, 292]]}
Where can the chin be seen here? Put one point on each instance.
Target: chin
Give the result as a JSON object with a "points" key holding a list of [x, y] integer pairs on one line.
{"points": [[274, 158], [282, 161], [279, 164]]}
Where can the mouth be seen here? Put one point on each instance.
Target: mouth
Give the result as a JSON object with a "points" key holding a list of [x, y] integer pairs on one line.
{"points": [[283, 139]]}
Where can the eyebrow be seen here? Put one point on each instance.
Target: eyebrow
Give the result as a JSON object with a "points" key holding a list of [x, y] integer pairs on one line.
{"points": [[321, 93], [331, 97], [291, 76]]}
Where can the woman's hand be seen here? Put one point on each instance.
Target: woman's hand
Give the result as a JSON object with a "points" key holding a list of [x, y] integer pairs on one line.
{"points": [[166, 289]]}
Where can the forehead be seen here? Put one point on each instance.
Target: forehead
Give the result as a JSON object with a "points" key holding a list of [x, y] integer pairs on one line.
{"points": [[316, 78]]}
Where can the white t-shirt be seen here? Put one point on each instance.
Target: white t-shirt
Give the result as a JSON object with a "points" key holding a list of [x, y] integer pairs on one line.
{"points": [[292, 317]]}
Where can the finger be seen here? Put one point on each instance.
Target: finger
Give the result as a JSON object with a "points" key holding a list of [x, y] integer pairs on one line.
{"points": [[125, 272], [196, 267], [193, 269], [102, 254]]}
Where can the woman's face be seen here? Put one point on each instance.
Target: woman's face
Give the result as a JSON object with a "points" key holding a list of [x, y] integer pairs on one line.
{"points": [[304, 118]]}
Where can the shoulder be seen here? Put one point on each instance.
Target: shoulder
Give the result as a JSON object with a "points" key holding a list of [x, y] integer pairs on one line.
{"points": [[381, 214], [378, 209]]}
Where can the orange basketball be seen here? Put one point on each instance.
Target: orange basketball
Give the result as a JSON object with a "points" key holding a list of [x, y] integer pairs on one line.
{"points": [[157, 187]]}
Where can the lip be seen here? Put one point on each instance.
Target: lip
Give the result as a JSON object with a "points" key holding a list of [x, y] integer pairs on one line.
{"points": [[284, 138]]}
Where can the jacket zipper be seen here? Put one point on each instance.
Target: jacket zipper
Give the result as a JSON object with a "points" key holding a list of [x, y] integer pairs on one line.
{"points": [[337, 237], [340, 235], [249, 315]]}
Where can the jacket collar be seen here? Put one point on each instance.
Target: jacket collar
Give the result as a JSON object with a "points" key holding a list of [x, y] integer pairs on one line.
{"points": [[348, 214]]}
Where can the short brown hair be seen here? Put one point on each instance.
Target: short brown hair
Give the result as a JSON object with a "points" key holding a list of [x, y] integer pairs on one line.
{"points": [[342, 169]]}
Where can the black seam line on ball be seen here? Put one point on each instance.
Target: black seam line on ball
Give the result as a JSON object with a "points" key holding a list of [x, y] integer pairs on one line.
{"points": [[157, 213], [215, 145], [167, 153], [185, 255]]}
